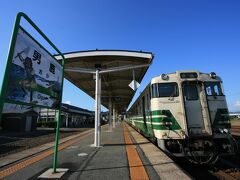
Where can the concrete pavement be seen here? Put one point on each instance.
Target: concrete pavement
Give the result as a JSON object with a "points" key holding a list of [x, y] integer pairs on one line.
{"points": [[111, 161]]}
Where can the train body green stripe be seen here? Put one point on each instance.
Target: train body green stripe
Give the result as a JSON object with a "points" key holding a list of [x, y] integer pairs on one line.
{"points": [[164, 117]]}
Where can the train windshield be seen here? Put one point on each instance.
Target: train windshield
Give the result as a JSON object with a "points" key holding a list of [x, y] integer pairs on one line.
{"points": [[164, 90], [213, 89]]}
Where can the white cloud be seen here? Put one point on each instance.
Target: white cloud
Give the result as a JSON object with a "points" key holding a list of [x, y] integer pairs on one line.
{"points": [[67, 102], [235, 106]]}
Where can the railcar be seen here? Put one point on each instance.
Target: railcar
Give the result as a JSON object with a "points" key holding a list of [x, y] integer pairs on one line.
{"points": [[186, 114]]}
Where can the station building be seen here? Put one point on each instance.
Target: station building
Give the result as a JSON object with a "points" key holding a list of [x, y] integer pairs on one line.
{"points": [[71, 116], [20, 118]]}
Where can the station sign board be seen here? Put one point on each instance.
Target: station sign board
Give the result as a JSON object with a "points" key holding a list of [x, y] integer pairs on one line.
{"points": [[35, 76]]}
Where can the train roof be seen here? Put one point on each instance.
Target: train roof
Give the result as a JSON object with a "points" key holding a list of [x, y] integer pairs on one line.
{"points": [[191, 75]]}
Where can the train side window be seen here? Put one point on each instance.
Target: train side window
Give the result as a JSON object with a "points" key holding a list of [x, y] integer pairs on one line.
{"points": [[190, 92], [147, 102], [155, 90], [150, 92]]}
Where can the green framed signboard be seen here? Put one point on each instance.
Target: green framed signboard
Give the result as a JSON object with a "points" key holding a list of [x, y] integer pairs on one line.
{"points": [[35, 77]]}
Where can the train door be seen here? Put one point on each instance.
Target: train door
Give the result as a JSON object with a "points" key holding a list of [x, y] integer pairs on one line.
{"points": [[193, 108], [216, 103], [144, 114]]}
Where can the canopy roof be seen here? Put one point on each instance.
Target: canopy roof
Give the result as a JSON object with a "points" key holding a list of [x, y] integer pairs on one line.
{"points": [[80, 69]]}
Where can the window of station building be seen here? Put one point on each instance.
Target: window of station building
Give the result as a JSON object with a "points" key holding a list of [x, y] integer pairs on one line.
{"points": [[190, 92], [164, 90], [213, 89]]}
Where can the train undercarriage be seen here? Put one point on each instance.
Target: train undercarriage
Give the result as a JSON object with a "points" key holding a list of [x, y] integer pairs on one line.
{"points": [[204, 150]]}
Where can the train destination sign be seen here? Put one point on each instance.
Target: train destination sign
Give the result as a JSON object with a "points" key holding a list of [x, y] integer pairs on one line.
{"points": [[35, 77]]}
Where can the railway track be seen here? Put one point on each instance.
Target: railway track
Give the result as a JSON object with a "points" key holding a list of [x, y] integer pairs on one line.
{"points": [[226, 175], [229, 167], [226, 167], [223, 169], [11, 143], [235, 130]]}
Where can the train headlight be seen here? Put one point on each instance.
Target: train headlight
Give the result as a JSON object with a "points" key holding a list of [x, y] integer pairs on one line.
{"points": [[182, 132], [213, 75], [225, 130], [220, 130], [164, 76], [168, 123]]}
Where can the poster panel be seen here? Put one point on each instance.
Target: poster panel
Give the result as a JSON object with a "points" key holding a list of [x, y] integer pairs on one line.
{"points": [[35, 76]]}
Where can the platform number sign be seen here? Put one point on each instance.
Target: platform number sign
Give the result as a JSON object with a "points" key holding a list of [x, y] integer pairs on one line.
{"points": [[35, 77]]}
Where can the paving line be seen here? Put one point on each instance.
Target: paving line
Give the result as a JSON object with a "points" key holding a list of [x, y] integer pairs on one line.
{"points": [[14, 168], [137, 170]]}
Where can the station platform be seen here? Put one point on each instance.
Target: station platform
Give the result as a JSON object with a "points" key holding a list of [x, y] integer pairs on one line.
{"points": [[123, 154]]}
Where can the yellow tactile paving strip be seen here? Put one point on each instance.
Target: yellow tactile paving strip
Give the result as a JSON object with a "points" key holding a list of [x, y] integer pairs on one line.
{"points": [[12, 169], [137, 170]]}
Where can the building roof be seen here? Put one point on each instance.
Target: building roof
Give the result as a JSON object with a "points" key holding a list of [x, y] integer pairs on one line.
{"points": [[75, 109]]}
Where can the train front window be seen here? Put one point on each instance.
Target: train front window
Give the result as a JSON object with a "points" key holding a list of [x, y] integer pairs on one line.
{"points": [[213, 89], [164, 90], [191, 92]]}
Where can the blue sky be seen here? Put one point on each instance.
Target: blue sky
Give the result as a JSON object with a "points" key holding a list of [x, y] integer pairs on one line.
{"points": [[199, 35]]}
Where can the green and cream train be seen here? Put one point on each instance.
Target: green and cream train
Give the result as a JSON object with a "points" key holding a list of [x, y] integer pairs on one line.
{"points": [[186, 114]]}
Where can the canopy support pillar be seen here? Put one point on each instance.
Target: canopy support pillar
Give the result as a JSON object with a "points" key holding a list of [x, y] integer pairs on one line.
{"points": [[97, 109], [114, 116], [110, 114]]}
